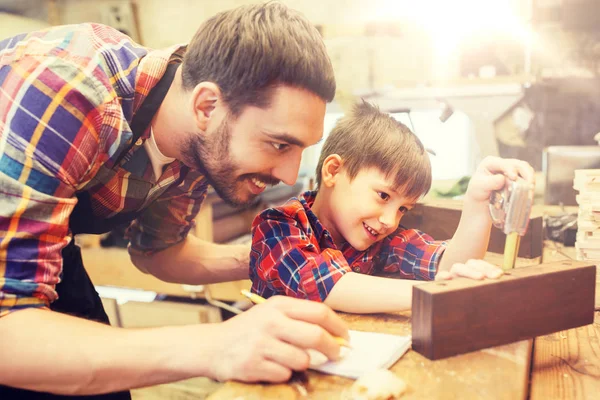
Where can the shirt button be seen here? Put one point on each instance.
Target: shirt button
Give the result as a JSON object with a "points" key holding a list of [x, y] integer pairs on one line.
{"points": [[139, 142], [356, 269]]}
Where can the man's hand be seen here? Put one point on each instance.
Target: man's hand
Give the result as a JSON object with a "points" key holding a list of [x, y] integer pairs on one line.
{"points": [[472, 269], [271, 339]]}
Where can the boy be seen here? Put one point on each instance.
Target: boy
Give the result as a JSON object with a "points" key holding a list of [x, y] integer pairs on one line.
{"points": [[325, 245]]}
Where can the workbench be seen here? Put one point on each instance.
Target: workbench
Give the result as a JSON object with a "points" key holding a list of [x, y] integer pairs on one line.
{"points": [[564, 365]]}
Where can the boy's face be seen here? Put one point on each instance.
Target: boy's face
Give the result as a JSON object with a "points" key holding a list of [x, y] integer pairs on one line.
{"points": [[365, 210]]}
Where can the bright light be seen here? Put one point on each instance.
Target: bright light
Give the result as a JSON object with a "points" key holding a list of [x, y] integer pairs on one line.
{"points": [[451, 21]]}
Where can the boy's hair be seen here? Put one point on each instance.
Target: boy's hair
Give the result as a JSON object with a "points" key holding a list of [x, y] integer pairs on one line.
{"points": [[369, 138], [249, 50]]}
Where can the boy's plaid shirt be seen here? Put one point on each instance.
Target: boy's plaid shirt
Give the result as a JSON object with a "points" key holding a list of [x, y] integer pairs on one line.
{"points": [[294, 255], [67, 96]]}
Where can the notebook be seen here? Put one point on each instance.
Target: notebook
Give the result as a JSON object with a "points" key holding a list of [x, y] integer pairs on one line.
{"points": [[370, 351]]}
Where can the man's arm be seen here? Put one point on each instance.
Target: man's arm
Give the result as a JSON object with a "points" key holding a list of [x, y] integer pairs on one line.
{"points": [[52, 352], [57, 353], [194, 261]]}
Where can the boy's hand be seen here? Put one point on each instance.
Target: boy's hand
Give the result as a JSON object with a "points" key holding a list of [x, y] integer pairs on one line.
{"points": [[472, 269], [491, 174]]}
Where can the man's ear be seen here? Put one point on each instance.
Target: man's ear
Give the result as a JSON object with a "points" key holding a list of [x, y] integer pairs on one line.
{"points": [[205, 98], [330, 171]]}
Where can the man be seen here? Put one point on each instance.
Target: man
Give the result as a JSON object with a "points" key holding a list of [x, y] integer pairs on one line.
{"points": [[97, 131]]}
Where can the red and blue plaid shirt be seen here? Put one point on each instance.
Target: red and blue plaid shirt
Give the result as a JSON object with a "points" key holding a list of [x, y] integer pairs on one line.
{"points": [[293, 254], [67, 97]]}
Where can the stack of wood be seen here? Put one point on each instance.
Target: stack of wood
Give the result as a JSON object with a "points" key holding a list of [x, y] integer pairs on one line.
{"points": [[587, 244]]}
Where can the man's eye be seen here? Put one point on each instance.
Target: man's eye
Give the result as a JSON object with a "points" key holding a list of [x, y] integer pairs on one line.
{"points": [[279, 146], [384, 196]]}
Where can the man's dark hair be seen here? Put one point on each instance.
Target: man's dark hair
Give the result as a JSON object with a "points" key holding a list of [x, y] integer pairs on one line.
{"points": [[251, 49]]}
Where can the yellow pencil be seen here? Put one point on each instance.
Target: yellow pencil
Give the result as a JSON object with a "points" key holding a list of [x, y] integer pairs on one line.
{"points": [[256, 299]]}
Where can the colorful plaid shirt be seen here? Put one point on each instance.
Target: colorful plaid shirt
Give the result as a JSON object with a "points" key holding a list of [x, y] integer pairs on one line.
{"points": [[293, 254], [67, 97]]}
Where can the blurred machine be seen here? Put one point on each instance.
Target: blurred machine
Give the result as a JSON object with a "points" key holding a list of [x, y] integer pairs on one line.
{"points": [[559, 164]]}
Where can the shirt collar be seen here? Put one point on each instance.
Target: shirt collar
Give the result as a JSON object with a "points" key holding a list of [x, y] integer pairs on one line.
{"points": [[321, 233]]}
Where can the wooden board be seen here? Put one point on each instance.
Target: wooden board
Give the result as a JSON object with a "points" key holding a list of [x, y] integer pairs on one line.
{"points": [[440, 218], [189, 389], [463, 315], [134, 314], [566, 365], [496, 373], [112, 267]]}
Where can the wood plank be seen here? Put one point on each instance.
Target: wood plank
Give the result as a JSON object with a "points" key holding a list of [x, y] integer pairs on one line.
{"points": [[439, 218], [566, 365], [556, 252], [463, 315], [190, 389], [495, 373], [112, 267], [135, 314]]}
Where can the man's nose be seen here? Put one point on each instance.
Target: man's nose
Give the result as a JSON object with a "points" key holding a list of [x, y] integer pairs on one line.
{"points": [[287, 170]]}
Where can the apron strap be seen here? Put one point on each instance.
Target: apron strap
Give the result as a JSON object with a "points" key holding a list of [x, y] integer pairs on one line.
{"points": [[81, 219], [77, 295], [144, 115]]}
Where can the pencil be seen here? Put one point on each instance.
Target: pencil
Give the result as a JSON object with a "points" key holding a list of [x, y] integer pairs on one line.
{"points": [[256, 299]]}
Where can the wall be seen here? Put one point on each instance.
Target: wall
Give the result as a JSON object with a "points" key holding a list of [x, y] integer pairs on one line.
{"points": [[360, 62], [372, 48], [11, 25]]}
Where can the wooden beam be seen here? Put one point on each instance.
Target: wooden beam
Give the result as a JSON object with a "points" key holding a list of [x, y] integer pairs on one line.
{"points": [[113, 267], [462, 315], [440, 218]]}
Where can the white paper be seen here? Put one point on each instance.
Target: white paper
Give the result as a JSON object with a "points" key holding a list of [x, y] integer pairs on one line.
{"points": [[370, 351]]}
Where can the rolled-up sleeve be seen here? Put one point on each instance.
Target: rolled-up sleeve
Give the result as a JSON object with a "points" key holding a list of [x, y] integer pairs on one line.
{"points": [[284, 261], [169, 219], [49, 139], [412, 254]]}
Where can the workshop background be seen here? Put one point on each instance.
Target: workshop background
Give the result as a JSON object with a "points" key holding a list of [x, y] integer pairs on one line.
{"points": [[472, 78]]}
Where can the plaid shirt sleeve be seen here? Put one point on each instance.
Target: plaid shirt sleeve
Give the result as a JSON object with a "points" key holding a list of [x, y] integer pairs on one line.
{"points": [[169, 219], [45, 105], [412, 254], [284, 261]]}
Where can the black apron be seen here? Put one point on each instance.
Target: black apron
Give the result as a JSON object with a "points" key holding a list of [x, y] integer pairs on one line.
{"points": [[77, 295]]}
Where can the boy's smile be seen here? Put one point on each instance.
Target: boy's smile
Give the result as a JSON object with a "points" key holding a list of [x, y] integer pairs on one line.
{"points": [[370, 231]]}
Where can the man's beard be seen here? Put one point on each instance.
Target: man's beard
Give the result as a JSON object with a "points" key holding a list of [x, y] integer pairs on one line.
{"points": [[211, 156]]}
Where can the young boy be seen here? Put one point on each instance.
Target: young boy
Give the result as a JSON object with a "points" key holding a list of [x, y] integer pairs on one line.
{"points": [[325, 245]]}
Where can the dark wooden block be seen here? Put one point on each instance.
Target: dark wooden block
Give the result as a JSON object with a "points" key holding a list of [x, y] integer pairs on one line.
{"points": [[463, 315], [440, 219]]}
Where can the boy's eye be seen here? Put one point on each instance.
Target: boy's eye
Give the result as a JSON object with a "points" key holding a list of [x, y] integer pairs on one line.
{"points": [[384, 196], [280, 146], [403, 210]]}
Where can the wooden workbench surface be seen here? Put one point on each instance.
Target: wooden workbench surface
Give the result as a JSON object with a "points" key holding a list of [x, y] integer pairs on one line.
{"points": [[565, 365], [496, 373]]}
